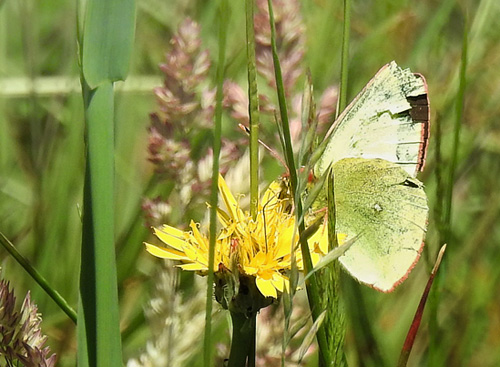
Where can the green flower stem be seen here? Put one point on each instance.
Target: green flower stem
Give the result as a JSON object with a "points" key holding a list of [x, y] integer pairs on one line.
{"points": [[58, 299], [243, 340]]}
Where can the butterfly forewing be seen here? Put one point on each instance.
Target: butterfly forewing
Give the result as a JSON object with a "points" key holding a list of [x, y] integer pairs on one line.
{"points": [[389, 119]]}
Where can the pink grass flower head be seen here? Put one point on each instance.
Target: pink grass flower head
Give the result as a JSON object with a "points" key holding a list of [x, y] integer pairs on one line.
{"points": [[179, 129], [21, 339], [290, 41]]}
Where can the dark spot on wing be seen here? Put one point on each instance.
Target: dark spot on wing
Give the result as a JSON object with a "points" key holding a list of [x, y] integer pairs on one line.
{"points": [[410, 183], [419, 108]]}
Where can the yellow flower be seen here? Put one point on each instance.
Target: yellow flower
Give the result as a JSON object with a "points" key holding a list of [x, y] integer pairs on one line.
{"points": [[259, 248]]}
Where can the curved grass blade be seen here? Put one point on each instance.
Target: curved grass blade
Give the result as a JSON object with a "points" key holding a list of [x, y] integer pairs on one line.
{"points": [[42, 282], [331, 256], [309, 338]]}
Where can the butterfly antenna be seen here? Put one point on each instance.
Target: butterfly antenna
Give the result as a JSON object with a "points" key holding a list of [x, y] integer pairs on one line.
{"points": [[269, 149]]}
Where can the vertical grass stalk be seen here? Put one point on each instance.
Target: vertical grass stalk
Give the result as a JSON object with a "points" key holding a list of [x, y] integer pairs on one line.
{"points": [[105, 49], [311, 283], [459, 107], [335, 323], [445, 227], [253, 108], [243, 339], [223, 16], [344, 66], [99, 342]]}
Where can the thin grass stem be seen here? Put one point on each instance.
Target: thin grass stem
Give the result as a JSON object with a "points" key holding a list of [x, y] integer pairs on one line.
{"points": [[311, 284], [253, 108], [344, 66], [39, 278], [459, 107], [223, 22]]}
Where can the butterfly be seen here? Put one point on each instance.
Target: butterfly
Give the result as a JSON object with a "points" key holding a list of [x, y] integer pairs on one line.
{"points": [[375, 149]]}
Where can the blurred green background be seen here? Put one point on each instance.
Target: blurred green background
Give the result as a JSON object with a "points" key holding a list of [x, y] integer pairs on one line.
{"points": [[42, 163]]}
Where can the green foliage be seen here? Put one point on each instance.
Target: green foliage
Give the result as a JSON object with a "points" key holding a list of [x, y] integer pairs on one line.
{"points": [[99, 341], [107, 40]]}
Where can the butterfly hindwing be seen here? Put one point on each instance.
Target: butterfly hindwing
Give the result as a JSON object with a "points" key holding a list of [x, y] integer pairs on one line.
{"points": [[386, 207]]}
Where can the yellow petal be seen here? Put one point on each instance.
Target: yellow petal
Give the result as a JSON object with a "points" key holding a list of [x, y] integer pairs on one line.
{"points": [[171, 236], [195, 254], [165, 253], [341, 237], [229, 200], [278, 282], [223, 217], [200, 240], [284, 245], [250, 270], [172, 231], [266, 288], [319, 240]]}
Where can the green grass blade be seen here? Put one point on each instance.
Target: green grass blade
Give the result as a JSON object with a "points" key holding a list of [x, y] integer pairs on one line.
{"points": [[107, 44], [366, 343], [335, 323], [433, 29], [331, 256], [309, 122], [459, 107], [42, 282], [446, 206], [108, 40], [223, 23], [344, 67], [253, 108], [98, 313], [439, 172], [311, 285], [280, 89]]}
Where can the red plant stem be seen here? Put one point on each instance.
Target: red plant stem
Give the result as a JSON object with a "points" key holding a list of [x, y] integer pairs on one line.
{"points": [[412, 333]]}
